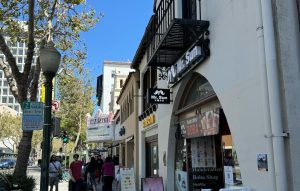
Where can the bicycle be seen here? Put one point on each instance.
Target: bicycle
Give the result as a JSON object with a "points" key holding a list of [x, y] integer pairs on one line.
{"points": [[65, 176]]}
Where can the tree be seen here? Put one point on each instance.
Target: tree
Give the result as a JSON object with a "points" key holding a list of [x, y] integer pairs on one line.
{"points": [[36, 22], [10, 131], [75, 94]]}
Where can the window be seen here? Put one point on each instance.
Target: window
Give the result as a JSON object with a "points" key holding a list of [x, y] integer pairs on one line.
{"points": [[5, 91], [10, 100], [4, 99], [16, 107], [14, 51], [5, 84], [20, 60], [0, 76], [21, 51]]}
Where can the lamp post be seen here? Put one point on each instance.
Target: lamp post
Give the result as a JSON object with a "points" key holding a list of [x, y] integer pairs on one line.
{"points": [[49, 60]]}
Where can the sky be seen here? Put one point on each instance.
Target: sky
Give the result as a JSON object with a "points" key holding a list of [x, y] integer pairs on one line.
{"points": [[117, 36]]}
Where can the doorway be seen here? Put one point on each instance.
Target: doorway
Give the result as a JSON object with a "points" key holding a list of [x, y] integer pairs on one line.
{"points": [[152, 156]]}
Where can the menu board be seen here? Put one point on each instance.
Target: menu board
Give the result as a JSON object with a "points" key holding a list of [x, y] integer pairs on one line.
{"points": [[203, 152], [127, 179]]}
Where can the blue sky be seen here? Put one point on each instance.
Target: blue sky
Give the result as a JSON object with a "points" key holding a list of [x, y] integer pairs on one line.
{"points": [[117, 36]]}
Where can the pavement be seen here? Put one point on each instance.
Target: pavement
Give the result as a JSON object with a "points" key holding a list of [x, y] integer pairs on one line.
{"points": [[35, 172]]}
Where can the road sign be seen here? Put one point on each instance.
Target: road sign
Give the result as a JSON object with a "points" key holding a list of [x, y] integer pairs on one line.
{"points": [[55, 105], [32, 117]]}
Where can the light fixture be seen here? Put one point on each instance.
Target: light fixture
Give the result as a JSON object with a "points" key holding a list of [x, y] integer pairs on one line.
{"points": [[49, 60]]}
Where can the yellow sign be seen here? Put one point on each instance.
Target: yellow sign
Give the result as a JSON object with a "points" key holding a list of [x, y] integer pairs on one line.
{"points": [[149, 120], [42, 95]]}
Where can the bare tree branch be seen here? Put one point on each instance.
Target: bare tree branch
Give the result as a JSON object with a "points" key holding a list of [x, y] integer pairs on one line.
{"points": [[10, 80], [31, 44], [10, 59], [53, 10]]}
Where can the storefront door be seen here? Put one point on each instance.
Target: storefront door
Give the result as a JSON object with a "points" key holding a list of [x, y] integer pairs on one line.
{"points": [[151, 157]]}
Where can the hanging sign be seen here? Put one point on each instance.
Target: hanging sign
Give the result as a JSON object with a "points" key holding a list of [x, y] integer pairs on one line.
{"points": [[32, 116], [188, 60], [204, 124], [99, 128], [158, 96]]}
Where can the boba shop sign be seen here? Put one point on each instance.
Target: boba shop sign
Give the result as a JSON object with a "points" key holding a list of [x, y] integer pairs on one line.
{"points": [[187, 61]]}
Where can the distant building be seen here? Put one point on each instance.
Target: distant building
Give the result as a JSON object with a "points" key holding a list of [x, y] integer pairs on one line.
{"points": [[115, 92], [18, 49], [111, 69]]}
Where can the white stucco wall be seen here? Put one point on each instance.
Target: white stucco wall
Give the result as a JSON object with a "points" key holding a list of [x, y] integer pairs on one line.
{"points": [[233, 71]]}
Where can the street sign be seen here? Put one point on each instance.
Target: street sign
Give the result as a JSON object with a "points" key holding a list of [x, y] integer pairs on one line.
{"points": [[32, 117], [55, 105]]}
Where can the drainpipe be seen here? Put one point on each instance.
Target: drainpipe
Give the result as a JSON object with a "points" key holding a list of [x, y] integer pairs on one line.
{"points": [[263, 71], [274, 96]]}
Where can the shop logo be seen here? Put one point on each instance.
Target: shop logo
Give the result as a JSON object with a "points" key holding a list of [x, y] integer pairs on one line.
{"points": [[156, 96]]}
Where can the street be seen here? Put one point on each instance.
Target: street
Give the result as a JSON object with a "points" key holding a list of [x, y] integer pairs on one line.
{"points": [[35, 172]]}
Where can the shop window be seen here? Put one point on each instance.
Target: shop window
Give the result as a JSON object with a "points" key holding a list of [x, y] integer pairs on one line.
{"points": [[149, 81]]}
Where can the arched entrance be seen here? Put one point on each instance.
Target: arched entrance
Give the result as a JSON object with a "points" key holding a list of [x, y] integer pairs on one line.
{"points": [[204, 153]]}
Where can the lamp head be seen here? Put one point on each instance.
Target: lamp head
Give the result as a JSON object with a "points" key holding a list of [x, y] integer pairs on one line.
{"points": [[49, 58]]}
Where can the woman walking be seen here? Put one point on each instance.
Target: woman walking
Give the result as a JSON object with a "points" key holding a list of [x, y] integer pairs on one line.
{"points": [[54, 171], [91, 169], [108, 170]]}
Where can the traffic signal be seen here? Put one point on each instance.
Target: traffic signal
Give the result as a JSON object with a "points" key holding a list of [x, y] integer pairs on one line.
{"points": [[65, 137]]}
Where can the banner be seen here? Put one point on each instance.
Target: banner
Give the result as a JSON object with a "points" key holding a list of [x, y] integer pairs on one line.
{"points": [[99, 128]]}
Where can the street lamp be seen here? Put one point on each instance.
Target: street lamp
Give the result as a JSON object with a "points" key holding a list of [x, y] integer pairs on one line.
{"points": [[49, 60]]}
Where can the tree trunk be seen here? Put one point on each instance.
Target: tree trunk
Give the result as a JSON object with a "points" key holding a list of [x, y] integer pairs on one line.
{"points": [[23, 154], [78, 134]]}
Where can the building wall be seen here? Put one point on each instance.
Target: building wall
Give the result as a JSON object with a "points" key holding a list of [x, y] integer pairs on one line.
{"points": [[18, 50], [109, 69], [131, 124]]}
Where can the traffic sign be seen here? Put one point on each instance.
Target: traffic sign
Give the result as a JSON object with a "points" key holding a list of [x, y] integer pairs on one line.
{"points": [[32, 117], [55, 105]]}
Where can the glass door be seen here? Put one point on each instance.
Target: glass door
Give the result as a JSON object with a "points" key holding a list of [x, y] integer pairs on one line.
{"points": [[152, 159]]}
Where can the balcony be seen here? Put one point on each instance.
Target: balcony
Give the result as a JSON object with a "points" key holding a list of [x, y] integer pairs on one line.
{"points": [[168, 37]]}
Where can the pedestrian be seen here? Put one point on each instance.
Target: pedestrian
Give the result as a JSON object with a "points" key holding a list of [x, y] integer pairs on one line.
{"points": [[99, 167], [54, 172], [108, 169], [91, 169], [76, 174]]}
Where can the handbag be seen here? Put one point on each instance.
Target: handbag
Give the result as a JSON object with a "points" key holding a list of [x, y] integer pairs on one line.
{"points": [[60, 177]]}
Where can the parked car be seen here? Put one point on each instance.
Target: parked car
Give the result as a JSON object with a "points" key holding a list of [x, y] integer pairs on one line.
{"points": [[7, 163]]}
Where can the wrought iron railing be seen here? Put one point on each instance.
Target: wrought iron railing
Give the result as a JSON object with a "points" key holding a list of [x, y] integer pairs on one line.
{"points": [[159, 25]]}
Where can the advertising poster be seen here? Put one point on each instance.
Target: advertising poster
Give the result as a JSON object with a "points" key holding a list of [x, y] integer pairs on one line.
{"points": [[204, 124], [262, 162], [228, 175], [181, 180], [99, 128], [127, 179], [203, 152], [152, 184]]}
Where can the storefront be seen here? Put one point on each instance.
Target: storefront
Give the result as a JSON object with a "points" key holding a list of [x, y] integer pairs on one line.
{"points": [[203, 141]]}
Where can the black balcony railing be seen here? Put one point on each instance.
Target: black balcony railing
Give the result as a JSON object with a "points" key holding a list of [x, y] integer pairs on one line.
{"points": [[169, 37]]}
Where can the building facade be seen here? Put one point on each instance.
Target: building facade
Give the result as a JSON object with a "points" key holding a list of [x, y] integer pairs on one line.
{"points": [[110, 70], [18, 50], [115, 92], [232, 69]]}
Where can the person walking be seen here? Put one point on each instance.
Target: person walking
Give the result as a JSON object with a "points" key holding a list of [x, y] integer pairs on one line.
{"points": [[54, 172], [108, 169], [76, 174], [99, 167], [91, 170]]}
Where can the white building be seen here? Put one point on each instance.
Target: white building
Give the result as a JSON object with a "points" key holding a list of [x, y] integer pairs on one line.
{"points": [[18, 49], [110, 70], [245, 77]]}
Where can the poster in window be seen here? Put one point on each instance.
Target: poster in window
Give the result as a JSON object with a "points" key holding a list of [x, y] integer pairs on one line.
{"points": [[203, 152], [181, 180]]}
